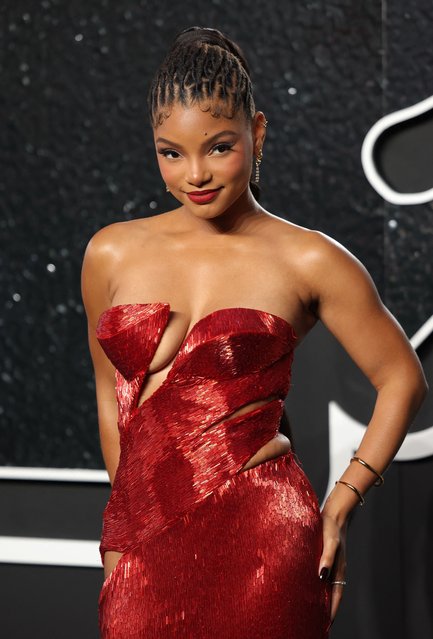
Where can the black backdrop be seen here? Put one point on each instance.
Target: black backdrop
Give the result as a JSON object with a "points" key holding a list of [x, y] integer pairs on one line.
{"points": [[77, 154]]}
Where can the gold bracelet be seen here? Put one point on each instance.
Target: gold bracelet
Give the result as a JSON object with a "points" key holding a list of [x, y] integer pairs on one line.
{"points": [[379, 481], [355, 490]]}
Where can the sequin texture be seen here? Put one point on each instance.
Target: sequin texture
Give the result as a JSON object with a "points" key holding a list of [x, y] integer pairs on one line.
{"points": [[209, 550]]}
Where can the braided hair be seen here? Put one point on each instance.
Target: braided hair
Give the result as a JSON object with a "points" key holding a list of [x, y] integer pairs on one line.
{"points": [[203, 66]]}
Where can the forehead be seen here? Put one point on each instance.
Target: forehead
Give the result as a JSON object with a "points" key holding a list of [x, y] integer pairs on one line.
{"points": [[196, 120]]}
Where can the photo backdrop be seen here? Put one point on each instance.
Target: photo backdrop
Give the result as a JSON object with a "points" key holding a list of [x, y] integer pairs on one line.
{"points": [[77, 154]]}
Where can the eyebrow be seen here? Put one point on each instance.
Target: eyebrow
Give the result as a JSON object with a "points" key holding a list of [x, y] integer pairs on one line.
{"points": [[205, 143]]}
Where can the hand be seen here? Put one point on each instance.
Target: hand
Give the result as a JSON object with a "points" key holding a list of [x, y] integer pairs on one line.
{"points": [[333, 558]]}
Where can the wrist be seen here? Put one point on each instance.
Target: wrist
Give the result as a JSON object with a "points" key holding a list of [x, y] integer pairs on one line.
{"points": [[340, 504]]}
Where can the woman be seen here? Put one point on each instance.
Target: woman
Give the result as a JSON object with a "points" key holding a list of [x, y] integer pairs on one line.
{"points": [[212, 529]]}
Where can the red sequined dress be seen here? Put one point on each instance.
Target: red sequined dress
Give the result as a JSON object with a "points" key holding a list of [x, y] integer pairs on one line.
{"points": [[209, 552]]}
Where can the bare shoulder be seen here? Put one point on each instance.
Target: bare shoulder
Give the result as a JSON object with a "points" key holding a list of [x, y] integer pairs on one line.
{"points": [[113, 243], [327, 276], [329, 265], [112, 240], [105, 253], [339, 286], [314, 245], [317, 257]]}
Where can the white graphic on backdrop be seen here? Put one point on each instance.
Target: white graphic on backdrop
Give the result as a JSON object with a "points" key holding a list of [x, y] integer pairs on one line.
{"points": [[368, 148]]}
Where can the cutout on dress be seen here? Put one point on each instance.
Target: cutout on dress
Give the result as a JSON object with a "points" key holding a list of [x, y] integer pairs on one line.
{"points": [[245, 410], [117, 559]]}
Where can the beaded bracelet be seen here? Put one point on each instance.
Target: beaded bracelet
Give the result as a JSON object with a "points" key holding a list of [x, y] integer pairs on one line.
{"points": [[355, 490], [379, 481]]}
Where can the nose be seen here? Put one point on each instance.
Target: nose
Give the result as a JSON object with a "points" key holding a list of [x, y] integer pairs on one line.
{"points": [[197, 172]]}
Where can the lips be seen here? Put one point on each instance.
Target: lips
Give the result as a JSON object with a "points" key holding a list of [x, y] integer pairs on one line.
{"points": [[203, 197]]}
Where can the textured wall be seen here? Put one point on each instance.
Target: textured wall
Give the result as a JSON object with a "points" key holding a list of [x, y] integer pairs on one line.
{"points": [[409, 72], [77, 153]]}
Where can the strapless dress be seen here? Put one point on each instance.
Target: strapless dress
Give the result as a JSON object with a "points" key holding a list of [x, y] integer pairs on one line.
{"points": [[209, 552]]}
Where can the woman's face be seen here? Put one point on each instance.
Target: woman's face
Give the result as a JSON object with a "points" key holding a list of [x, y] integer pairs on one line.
{"points": [[206, 161]]}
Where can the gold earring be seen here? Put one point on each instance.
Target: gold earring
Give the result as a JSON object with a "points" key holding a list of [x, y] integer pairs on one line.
{"points": [[259, 158]]}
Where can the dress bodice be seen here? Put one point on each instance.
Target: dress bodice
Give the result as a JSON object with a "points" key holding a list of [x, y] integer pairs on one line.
{"points": [[183, 431]]}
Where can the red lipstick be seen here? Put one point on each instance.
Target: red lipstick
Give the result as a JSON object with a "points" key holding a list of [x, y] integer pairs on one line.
{"points": [[203, 197]]}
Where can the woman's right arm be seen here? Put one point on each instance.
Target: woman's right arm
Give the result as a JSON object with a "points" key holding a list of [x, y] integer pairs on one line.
{"points": [[98, 264]]}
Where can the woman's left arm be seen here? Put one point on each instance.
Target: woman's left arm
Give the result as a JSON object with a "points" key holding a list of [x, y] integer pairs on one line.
{"points": [[347, 302]]}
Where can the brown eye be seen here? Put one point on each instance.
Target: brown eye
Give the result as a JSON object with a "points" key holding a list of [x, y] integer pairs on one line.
{"points": [[169, 152], [222, 148]]}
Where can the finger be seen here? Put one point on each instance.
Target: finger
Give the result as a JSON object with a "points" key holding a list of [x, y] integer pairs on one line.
{"points": [[331, 543], [340, 565], [338, 574], [337, 596]]}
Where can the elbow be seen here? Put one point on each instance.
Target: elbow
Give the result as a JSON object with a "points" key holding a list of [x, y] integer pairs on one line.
{"points": [[420, 390], [425, 389], [411, 384]]}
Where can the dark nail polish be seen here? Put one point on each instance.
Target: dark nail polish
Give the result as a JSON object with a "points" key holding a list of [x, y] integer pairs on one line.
{"points": [[324, 573]]}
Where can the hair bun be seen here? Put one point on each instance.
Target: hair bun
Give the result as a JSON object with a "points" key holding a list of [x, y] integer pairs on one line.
{"points": [[208, 35]]}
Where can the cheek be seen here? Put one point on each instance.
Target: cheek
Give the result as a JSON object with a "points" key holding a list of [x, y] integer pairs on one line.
{"points": [[167, 170], [238, 165]]}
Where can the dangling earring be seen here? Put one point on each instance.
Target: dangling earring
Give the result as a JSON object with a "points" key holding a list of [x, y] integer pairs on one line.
{"points": [[259, 158], [167, 189]]}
